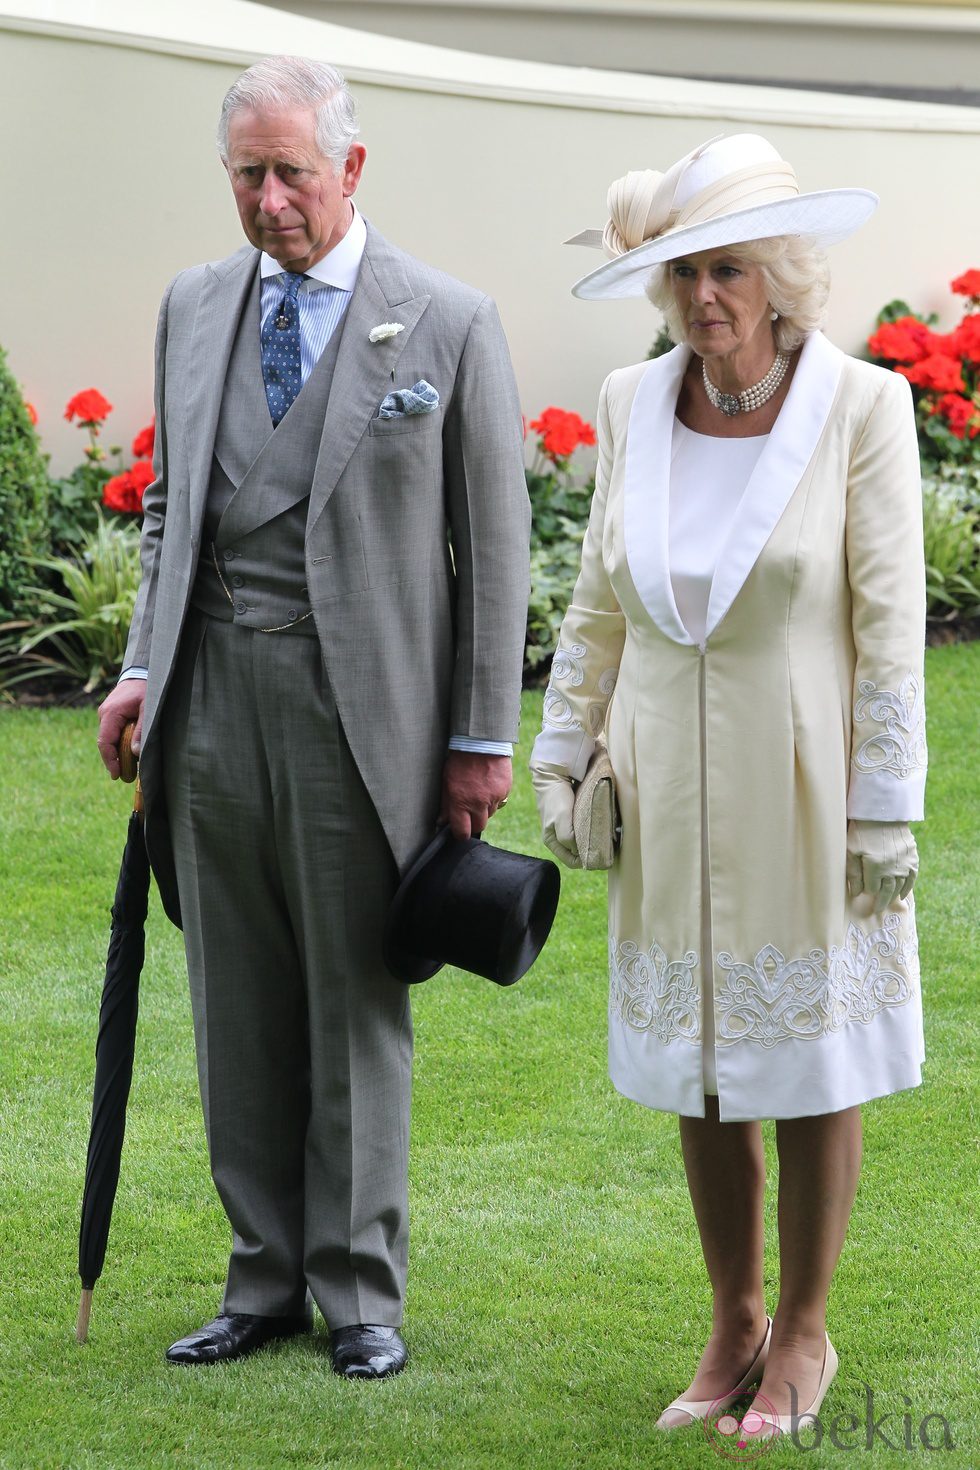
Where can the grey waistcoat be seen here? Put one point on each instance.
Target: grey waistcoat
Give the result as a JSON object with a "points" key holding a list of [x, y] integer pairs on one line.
{"points": [[258, 495]]}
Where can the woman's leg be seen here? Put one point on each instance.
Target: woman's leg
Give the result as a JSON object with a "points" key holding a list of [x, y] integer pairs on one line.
{"points": [[819, 1164], [726, 1175]]}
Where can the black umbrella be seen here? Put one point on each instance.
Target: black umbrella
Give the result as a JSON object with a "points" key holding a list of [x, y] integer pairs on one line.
{"points": [[114, 1048]]}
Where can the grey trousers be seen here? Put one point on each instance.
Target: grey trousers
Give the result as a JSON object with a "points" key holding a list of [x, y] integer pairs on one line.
{"points": [[304, 1041]]}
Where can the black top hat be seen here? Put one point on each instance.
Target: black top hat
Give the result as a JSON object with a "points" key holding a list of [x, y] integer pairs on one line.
{"points": [[466, 903]]}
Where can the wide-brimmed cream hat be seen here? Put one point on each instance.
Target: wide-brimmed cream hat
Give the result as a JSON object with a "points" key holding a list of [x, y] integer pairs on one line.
{"points": [[724, 192]]}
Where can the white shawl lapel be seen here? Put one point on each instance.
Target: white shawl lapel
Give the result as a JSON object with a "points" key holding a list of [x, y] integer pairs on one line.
{"points": [[779, 469], [646, 490]]}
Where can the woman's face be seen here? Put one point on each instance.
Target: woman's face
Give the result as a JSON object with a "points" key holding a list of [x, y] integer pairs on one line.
{"points": [[722, 303]]}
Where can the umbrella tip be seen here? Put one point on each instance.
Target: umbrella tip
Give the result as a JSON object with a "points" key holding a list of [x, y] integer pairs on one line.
{"points": [[84, 1313]]}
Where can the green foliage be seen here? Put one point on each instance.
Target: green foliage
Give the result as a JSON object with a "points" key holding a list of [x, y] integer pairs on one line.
{"points": [[938, 445], [897, 309], [23, 497], [82, 621], [663, 342], [951, 532], [559, 514], [73, 506], [553, 572]]}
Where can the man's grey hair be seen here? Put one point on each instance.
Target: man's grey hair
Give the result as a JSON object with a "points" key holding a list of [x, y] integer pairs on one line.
{"points": [[281, 82], [797, 278]]}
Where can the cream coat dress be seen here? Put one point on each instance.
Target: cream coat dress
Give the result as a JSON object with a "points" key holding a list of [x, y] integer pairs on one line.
{"points": [[738, 760]]}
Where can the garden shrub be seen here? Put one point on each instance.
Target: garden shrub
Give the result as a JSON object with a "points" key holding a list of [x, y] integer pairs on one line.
{"points": [[23, 498], [951, 533]]}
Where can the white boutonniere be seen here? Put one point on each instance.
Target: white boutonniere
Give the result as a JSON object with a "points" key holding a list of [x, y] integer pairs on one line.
{"points": [[384, 331]]}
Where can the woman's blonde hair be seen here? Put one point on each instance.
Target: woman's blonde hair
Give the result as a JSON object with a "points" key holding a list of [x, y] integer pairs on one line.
{"points": [[797, 279]]}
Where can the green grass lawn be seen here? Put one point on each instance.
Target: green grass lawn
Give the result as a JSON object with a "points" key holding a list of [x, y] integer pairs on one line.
{"points": [[556, 1295]]}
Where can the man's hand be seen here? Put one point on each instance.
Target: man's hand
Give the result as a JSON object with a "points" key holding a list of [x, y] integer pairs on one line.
{"points": [[473, 787], [116, 711]]}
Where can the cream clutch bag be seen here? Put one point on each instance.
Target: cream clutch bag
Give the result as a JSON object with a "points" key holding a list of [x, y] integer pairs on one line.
{"points": [[595, 818]]}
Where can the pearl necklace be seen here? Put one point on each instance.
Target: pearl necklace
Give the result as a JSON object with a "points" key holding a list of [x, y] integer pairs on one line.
{"points": [[749, 398]]}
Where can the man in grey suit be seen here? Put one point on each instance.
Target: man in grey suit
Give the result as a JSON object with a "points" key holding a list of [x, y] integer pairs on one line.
{"points": [[324, 661]]}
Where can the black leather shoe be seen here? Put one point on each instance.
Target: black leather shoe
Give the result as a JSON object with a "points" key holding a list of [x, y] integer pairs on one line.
{"points": [[234, 1336], [364, 1351]]}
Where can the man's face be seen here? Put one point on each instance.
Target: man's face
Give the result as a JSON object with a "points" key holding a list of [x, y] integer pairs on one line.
{"points": [[291, 201]]}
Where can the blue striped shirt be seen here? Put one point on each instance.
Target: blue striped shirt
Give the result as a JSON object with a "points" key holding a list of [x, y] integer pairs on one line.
{"points": [[321, 310]]}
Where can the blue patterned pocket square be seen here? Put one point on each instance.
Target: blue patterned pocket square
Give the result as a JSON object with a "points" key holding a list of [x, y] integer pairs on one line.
{"points": [[403, 402]]}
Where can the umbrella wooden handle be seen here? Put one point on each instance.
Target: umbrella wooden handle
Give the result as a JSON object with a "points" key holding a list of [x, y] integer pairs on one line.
{"points": [[128, 762]]}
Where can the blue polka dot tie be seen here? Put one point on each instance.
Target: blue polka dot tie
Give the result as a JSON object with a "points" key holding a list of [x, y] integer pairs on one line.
{"points": [[280, 350]]}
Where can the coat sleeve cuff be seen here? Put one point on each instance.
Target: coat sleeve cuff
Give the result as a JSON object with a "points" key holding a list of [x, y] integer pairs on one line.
{"points": [[877, 796], [569, 749]]}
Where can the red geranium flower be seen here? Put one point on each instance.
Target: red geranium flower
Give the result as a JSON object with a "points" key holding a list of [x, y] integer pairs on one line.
{"points": [[561, 433], [125, 492], [958, 412], [904, 340], [968, 284], [89, 407], [938, 371], [31, 411], [143, 443], [964, 340], [119, 493], [141, 476]]}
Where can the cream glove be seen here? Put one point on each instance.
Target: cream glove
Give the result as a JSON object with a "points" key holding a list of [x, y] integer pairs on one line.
{"points": [[555, 795], [881, 860]]}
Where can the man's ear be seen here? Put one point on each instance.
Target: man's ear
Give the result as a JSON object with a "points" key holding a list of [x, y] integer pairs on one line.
{"points": [[353, 167]]}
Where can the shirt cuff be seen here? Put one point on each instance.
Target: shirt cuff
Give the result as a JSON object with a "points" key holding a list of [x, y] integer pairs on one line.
{"points": [[133, 673], [480, 747]]}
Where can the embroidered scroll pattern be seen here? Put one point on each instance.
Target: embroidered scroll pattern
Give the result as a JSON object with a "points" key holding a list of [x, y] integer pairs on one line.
{"points": [[598, 707], [650, 992], [900, 746], [568, 668], [775, 999]]}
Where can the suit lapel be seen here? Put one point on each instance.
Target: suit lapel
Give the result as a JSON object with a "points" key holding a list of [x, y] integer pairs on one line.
{"points": [[365, 370], [778, 471], [224, 292]]}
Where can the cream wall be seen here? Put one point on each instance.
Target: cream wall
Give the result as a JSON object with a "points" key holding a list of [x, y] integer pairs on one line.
{"points": [[797, 41], [479, 165]]}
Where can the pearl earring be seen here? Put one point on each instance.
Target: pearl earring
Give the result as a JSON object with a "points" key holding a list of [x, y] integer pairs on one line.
{"points": [[774, 316]]}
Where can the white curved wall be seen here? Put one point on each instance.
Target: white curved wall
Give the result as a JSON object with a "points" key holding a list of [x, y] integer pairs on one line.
{"points": [[798, 41], [481, 166]]}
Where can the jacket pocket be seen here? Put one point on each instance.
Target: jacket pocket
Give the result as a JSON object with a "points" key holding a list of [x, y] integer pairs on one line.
{"points": [[409, 423]]}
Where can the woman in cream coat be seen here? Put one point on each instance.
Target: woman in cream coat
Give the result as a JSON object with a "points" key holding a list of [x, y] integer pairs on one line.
{"points": [[747, 628]]}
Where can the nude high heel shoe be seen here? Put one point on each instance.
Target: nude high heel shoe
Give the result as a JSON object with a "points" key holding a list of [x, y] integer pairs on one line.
{"points": [[757, 1425], [698, 1409]]}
